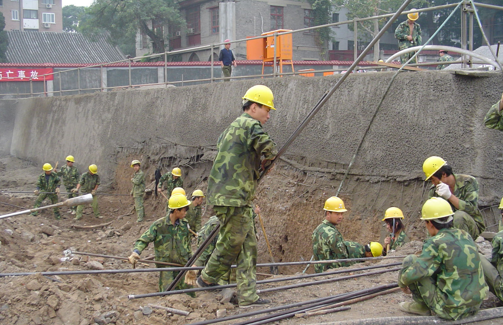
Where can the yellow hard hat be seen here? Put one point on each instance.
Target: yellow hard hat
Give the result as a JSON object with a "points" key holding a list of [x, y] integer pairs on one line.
{"points": [[413, 15], [93, 169], [134, 162], [178, 201], [436, 208], [376, 249], [197, 193], [261, 95], [176, 172], [47, 167], [501, 204], [392, 213], [70, 158], [334, 204], [178, 190], [432, 165]]}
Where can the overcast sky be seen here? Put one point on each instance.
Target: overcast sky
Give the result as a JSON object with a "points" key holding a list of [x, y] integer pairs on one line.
{"points": [[81, 3]]}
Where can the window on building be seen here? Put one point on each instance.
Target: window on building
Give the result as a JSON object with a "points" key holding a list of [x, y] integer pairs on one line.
{"points": [[214, 21], [15, 14], [335, 17], [193, 20], [351, 45], [308, 18], [48, 2], [276, 17], [1, 3], [335, 46], [48, 17], [30, 14]]}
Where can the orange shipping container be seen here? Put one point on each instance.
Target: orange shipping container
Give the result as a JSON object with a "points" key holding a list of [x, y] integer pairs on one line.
{"points": [[255, 49]]}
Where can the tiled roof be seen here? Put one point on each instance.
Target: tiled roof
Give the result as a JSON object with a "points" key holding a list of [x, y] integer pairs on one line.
{"points": [[62, 48]]}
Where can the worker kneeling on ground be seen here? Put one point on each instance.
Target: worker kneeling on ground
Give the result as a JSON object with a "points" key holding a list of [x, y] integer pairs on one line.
{"points": [[461, 191], [447, 278], [171, 239], [393, 222], [48, 182], [357, 250]]}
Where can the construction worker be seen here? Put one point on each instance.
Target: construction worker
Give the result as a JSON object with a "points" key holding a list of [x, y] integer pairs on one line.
{"points": [[231, 189], [408, 34], [88, 183], [70, 176], [447, 278], [356, 250], [47, 187], [170, 180], [171, 239], [493, 118], [393, 221], [138, 190], [194, 213], [227, 60], [461, 191], [328, 243], [444, 57]]}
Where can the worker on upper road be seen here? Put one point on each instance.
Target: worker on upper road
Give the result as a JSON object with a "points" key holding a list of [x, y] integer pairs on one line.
{"points": [[408, 34], [393, 221], [444, 57], [89, 182], [47, 187], [493, 118], [70, 176], [231, 189], [138, 190], [227, 60], [447, 278], [170, 180], [461, 191]]}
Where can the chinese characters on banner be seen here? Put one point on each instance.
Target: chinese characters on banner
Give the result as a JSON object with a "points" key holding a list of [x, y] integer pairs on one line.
{"points": [[24, 74]]}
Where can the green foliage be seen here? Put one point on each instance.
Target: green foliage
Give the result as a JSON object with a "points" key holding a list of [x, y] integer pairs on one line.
{"points": [[72, 17], [322, 13], [4, 40]]}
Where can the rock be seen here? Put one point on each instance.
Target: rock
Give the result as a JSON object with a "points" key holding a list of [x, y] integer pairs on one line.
{"points": [[70, 313], [33, 299], [27, 236], [53, 302], [100, 259], [221, 313], [75, 261], [55, 260], [479, 239], [110, 233], [146, 310], [94, 265], [138, 315], [36, 318], [211, 307], [227, 295], [9, 232], [126, 226], [107, 318], [33, 285], [47, 230], [194, 315], [98, 297], [65, 287], [4, 307]]}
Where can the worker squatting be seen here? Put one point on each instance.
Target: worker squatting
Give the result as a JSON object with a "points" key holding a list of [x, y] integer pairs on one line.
{"points": [[449, 278]]}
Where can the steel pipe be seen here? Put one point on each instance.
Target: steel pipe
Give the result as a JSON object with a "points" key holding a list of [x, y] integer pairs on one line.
{"points": [[84, 199]]}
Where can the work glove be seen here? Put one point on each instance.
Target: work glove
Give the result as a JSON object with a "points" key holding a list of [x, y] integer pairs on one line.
{"points": [[257, 236], [159, 189], [36, 192], [443, 190], [74, 190], [57, 190], [93, 192], [134, 258], [191, 277]]}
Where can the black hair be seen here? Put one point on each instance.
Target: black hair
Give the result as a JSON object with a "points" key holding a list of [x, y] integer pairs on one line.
{"points": [[248, 104], [367, 248], [439, 225], [398, 224], [180, 209], [445, 169]]}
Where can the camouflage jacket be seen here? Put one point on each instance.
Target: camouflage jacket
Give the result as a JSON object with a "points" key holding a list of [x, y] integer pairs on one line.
{"points": [[401, 33], [138, 181], [328, 245], [497, 253], [205, 231], [236, 168], [48, 184], [169, 183], [467, 191], [399, 241], [451, 259], [70, 176], [193, 216], [88, 182], [171, 242], [355, 250], [444, 58], [493, 118]]}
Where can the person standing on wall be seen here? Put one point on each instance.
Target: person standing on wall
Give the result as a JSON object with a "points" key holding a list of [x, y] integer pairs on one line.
{"points": [[408, 34], [444, 57], [227, 60]]}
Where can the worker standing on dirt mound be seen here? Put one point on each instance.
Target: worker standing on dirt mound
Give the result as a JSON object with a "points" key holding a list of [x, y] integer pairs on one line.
{"points": [[47, 187], [461, 191], [357, 250], [393, 221], [194, 213], [138, 190], [70, 176], [171, 238], [170, 180], [231, 189], [328, 243], [447, 278], [493, 118], [89, 182]]}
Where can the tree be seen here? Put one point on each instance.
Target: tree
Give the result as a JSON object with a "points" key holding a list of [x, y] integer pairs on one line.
{"points": [[322, 14], [72, 17], [4, 40], [122, 19]]}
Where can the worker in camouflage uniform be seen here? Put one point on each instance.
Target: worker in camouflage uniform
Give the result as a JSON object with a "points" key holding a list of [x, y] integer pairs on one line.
{"points": [[328, 243], [231, 189], [47, 187], [461, 191], [169, 181], [88, 183], [393, 221], [447, 278], [357, 250], [70, 176], [171, 239], [444, 57], [138, 190], [493, 118], [408, 34], [194, 213]]}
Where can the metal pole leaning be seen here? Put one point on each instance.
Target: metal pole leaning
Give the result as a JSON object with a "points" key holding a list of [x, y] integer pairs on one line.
{"points": [[88, 198], [123, 258]]}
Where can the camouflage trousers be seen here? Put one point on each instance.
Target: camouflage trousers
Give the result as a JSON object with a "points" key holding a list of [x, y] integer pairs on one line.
{"points": [[404, 58], [425, 292], [227, 71], [493, 278], [237, 243], [138, 206], [464, 221], [71, 195], [80, 208], [54, 199], [165, 279]]}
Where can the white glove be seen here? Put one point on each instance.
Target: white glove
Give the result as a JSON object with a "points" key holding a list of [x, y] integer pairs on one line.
{"points": [[36, 192], [443, 190], [191, 277], [57, 190]]}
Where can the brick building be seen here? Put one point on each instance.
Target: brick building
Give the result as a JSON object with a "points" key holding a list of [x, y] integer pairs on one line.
{"points": [[33, 15]]}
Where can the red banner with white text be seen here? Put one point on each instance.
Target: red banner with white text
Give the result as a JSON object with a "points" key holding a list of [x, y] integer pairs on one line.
{"points": [[24, 74]]}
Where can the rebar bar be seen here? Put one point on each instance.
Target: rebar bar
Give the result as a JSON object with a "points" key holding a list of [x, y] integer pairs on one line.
{"points": [[122, 258]]}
